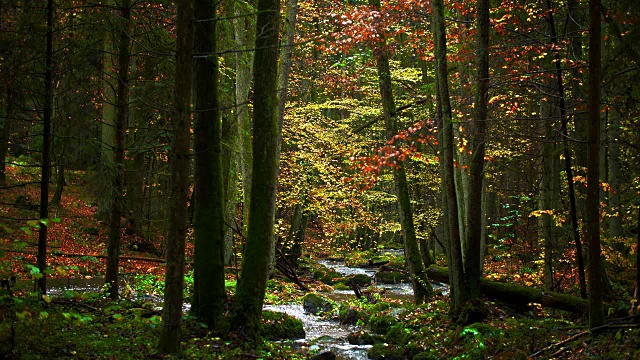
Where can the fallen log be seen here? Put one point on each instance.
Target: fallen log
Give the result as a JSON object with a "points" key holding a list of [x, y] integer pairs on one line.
{"points": [[517, 294], [371, 263]]}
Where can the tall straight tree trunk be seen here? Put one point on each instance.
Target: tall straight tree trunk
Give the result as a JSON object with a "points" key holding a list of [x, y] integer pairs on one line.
{"points": [[255, 267], [478, 141], [459, 288], [107, 126], [421, 286], [171, 334], [284, 68], [549, 202], [573, 210], [245, 33], [209, 292], [592, 224], [46, 152], [113, 249]]}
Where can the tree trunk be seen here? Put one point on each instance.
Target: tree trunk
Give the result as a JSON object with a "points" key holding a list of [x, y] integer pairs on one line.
{"points": [[459, 288], [170, 336], [518, 295], [478, 142], [46, 153], [255, 268], [421, 286], [548, 232], [573, 209], [245, 32], [108, 126], [284, 68], [113, 250], [592, 223], [209, 292]]}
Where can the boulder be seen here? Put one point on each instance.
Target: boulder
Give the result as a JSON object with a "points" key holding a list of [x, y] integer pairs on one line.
{"points": [[391, 277], [316, 304], [360, 338], [280, 326]]}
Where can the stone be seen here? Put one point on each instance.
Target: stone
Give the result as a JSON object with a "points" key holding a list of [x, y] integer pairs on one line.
{"points": [[316, 304]]}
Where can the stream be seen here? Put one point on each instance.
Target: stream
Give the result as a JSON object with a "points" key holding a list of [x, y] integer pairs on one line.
{"points": [[330, 335], [321, 335]]}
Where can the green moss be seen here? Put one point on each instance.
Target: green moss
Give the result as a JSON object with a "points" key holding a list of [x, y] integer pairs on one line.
{"points": [[360, 338], [331, 278], [352, 316], [316, 304], [361, 280], [280, 326], [425, 355], [398, 335], [380, 324], [391, 277], [380, 307], [382, 351]]}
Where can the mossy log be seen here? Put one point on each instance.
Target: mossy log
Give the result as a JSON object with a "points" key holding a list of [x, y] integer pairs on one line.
{"points": [[517, 294]]}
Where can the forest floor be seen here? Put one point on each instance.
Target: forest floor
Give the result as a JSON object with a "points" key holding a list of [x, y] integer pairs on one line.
{"points": [[86, 325]]}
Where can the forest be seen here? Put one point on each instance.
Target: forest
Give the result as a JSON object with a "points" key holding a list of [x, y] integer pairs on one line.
{"points": [[317, 179]]}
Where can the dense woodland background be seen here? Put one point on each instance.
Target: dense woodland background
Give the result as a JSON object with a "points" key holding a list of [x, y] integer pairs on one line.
{"points": [[499, 138]]}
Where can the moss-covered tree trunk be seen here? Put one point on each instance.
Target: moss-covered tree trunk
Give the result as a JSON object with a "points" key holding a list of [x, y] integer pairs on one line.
{"points": [[45, 166], [478, 143], [108, 121], [245, 32], [255, 267], [421, 286], [459, 289], [518, 295], [592, 223], [170, 336], [113, 249], [209, 292]]}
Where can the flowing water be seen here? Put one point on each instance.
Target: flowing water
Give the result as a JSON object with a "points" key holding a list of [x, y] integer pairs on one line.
{"points": [[329, 335], [321, 334]]}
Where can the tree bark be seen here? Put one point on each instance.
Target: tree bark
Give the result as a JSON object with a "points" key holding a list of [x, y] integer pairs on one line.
{"points": [[171, 334], [255, 268], [592, 224], [113, 249], [108, 123], [209, 292], [459, 288], [478, 142], [245, 32], [421, 286], [517, 294], [46, 153]]}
